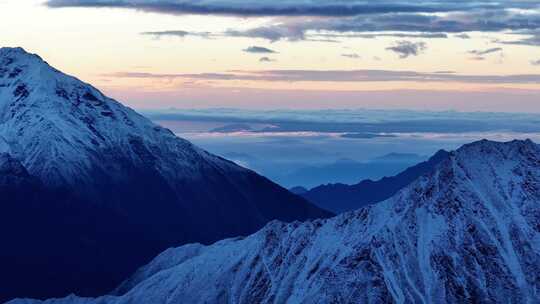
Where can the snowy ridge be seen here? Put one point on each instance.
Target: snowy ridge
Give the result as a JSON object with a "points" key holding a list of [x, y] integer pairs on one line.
{"points": [[50, 119], [467, 232]]}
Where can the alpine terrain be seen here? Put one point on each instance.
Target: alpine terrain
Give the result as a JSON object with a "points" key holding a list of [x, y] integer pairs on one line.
{"points": [[467, 232], [340, 198], [90, 190]]}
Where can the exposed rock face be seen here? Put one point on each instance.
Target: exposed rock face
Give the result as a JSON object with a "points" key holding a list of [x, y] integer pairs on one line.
{"points": [[468, 232], [114, 188]]}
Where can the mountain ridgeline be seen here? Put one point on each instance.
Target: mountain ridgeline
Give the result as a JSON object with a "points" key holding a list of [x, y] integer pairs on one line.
{"points": [[91, 190], [466, 232], [340, 198]]}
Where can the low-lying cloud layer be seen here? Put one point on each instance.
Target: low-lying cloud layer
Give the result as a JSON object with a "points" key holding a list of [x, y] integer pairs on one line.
{"points": [[364, 121], [283, 143]]}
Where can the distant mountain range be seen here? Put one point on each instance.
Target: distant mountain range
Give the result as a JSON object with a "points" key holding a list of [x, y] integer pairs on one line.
{"points": [[91, 190], [467, 231], [231, 128], [346, 171], [340, 198]]}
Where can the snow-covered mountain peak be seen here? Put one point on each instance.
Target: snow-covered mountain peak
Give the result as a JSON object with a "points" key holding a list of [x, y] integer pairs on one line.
{"points": [[484, 169], [506, 150], [61, 128], [17, 64], [16, 54], [26, 81], [5, 51]]}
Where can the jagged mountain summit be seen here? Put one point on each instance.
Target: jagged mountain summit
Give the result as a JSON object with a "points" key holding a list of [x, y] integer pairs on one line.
{"points": [[107, 189], [467, 232]]}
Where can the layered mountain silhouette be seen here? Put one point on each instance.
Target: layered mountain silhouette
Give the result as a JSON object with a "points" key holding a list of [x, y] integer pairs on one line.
{"points": [[342, 171], [466, 232], [340, 198], [91, 190]]}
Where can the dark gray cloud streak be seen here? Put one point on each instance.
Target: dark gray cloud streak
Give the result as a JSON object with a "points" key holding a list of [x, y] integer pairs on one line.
{"points": [[266, 59], [463, 36], [351, 56], [334, 8], [530, 38], [406, 49], [405, 25], [259, 50], [290, 33], [341, 76], [485, 52], [178, 33]]}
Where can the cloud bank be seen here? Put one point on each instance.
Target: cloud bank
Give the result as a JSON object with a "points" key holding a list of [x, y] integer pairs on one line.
{"points": [[334, 8], [359, 121], [341, 76], [333, 20], [340, 16]]}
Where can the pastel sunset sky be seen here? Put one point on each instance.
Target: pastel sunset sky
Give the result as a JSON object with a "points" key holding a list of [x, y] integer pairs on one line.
{"points": [[390, 54]]}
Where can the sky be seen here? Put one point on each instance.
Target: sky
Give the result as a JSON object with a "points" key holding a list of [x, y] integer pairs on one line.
{"points": [[303, 91], [435, 55]]}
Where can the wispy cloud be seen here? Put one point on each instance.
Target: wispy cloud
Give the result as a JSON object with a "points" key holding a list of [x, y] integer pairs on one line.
{"points": [[463, 36], [478, 58], [351, 56], [480, 55], [291, 33], [343, 76], [178, 33], [387, 34], [406, 49], [485, 52], [259, 50], [531, 38], [266, 59]]}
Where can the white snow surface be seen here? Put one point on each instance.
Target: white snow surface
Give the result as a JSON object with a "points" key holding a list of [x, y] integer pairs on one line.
{"points": [[61, 128], [469, 232]]}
